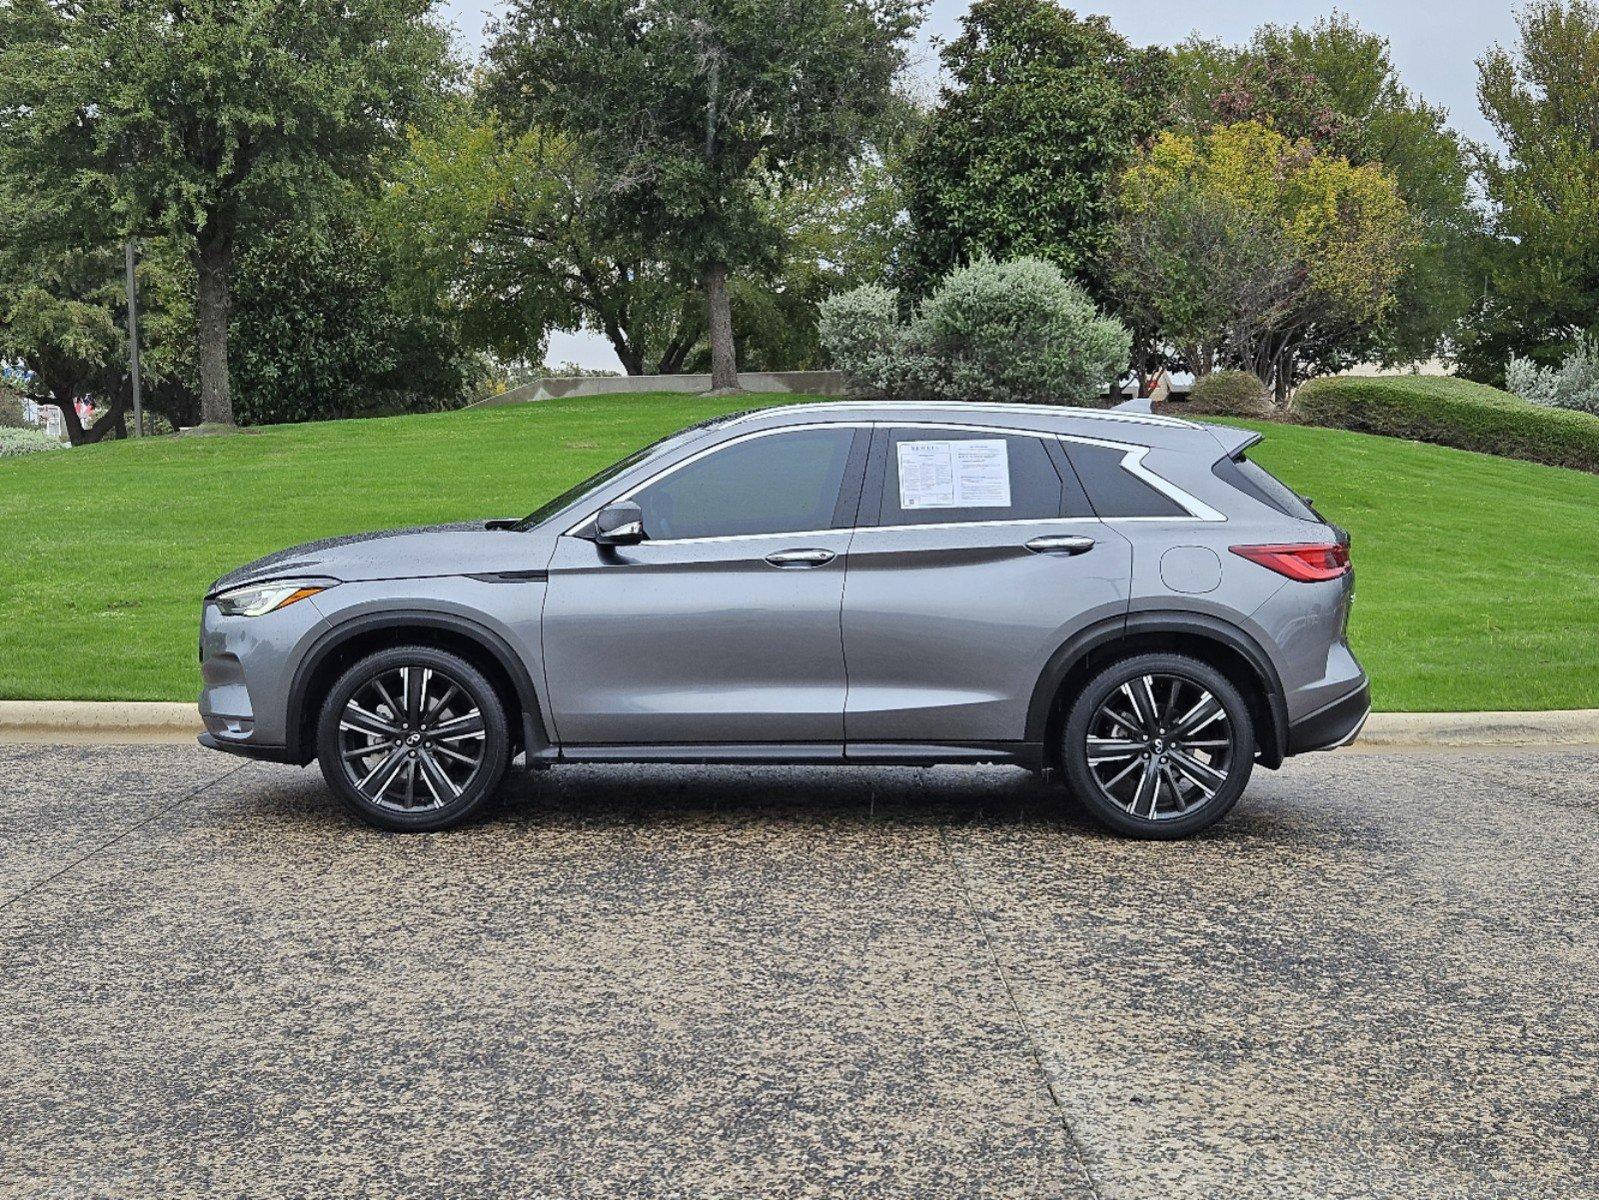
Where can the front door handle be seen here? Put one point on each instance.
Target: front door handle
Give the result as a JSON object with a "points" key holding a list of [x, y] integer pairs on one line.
{"points": [[1069, 543], [800, 558]]}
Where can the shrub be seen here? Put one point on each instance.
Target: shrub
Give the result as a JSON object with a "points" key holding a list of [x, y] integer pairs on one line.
{"points": [[1230, 394], [14, 442], [1017, 331], [1573, 384], [861, 334], [1534, 384], [1452, 412]]}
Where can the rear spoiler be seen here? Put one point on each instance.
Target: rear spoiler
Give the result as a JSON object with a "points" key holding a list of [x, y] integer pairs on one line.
{"points": [[1233, 441]]}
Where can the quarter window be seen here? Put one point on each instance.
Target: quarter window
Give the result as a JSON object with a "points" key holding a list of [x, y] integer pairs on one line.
{"points": [[776, 483], [942, 476], [1113, 489]]}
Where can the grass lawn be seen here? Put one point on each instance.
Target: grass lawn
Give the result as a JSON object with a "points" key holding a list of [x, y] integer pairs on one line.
{"points": [[1478, 576]]}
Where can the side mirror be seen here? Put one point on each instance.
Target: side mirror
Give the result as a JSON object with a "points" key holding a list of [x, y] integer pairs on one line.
{"points": [[619, 524]]}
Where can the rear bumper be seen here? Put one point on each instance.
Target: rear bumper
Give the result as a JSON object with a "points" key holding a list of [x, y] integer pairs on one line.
{"points": [[1333, 725]]}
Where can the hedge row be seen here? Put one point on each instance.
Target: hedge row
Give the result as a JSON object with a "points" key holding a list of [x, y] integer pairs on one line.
{"points": [[1452, 412]]}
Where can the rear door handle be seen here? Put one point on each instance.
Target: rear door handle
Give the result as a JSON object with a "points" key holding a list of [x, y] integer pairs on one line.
{"points": [[800, 558], [1066, 543]]}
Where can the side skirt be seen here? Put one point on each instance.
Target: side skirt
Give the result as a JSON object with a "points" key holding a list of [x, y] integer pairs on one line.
{"points": [[903, 754]]}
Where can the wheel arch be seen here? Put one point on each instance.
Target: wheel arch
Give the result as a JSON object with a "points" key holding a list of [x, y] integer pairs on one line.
{"points": [[349, 641], [1223, 645]]}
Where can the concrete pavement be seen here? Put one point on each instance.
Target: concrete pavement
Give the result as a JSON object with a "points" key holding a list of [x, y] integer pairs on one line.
{"points": [[1378, 978]]}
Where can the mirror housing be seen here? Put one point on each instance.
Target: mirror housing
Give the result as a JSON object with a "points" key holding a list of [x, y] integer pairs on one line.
{"points": [[619, 524]]}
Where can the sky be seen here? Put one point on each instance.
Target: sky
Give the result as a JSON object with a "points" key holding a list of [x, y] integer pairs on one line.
{"points": [[1435, 47]]}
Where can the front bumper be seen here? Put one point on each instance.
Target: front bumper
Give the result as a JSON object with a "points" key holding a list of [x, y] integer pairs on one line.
{"points": [[277, 754], [1333, 725]]}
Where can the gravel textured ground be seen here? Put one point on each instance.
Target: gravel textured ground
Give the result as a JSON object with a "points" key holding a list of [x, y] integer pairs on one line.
{"points": [[1379, 978]]}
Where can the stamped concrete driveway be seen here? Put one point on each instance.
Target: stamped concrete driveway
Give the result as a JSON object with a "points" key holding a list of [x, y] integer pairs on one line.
{"points": [[1379, 978]]}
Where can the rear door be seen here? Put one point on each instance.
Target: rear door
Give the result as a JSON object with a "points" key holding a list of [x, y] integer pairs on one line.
{"points": [[723, 625], [976, 555]]}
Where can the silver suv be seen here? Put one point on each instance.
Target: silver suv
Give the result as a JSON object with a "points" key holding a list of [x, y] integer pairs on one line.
{"points": [[1121, 598]]}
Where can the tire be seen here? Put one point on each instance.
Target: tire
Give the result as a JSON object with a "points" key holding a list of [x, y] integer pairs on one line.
{"points": [[1121, 777], [436, 733]]}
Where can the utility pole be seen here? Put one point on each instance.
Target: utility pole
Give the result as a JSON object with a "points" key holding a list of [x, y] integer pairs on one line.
{"points": [[133, 340]]}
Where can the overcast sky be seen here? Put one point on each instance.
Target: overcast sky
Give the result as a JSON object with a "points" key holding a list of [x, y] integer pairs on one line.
{"points": [[1435, 47]]}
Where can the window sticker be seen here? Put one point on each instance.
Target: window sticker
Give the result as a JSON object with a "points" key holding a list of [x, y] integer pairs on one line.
{"points": [[966, 474]]}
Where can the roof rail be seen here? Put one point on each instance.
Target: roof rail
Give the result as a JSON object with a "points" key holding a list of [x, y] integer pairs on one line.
{"points": [[1054, 410]]}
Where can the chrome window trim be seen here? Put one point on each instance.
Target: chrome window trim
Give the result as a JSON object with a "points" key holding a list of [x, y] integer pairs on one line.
{"points": [[1132, 462]]}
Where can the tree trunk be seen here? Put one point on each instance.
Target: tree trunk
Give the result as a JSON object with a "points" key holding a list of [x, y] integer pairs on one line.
{"points": [[213, 296], [719, 329]]}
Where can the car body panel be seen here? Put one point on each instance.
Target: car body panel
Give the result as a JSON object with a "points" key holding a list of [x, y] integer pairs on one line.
{"points": [[696, 641]]}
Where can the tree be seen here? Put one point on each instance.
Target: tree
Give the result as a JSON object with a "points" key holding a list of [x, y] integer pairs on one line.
{"points": [[320, 334], [687, 108], [1334, 86], [1254, 251], [1410, 139], [1042, 111], [195, 117], [512, 230], [1542, 268]]}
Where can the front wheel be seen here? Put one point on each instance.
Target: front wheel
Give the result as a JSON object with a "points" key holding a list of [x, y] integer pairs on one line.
{"points": [[1158, 746], [413, 739]]}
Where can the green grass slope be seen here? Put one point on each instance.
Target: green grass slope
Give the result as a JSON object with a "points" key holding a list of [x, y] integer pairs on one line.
{"points": [[1478, 577]]}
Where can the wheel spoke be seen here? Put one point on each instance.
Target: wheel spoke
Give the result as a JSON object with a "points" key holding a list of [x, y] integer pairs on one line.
{"points": [[1207, 777], [438, 705], [1102, 749], [1196, 718], [465, 726], [1148, 785], [1122, 774], [1143, 705], [396, 712], [436, 779], [416, 686], [455, 754], [1176, 790], [360, 720], [394, 759]]}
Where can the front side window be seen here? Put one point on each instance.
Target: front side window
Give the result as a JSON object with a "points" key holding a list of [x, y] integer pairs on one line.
{"points": [[777, 483], [942, 476]]}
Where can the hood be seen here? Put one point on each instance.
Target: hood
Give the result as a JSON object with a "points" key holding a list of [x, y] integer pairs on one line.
{"points": [[464, 548]]}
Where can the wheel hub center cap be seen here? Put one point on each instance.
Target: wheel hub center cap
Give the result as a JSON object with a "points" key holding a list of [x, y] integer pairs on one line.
{"points": [[414, 738]]}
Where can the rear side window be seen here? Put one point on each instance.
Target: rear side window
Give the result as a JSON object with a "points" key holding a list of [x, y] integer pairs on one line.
{"points": [[1114, 490], [1254, 480], [943, 476]]}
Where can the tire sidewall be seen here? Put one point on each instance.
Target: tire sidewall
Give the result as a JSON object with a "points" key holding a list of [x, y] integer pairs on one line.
{"points": [[496, 747], [1074, 751]]}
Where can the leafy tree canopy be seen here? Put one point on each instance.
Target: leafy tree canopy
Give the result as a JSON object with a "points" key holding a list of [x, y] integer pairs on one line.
{"points": [[1043, 108], [1542, 99], [1311, 248], [689, 108]]}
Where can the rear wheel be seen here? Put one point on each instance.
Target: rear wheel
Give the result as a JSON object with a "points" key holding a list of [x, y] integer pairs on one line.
{"points": [[413, 739], [1158, 746]]}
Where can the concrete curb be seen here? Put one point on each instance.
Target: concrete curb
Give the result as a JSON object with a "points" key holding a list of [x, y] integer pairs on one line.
{"points": [[87, 722]]}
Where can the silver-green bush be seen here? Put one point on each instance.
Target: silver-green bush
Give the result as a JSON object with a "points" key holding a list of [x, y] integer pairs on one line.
{"points": [[25, 441], [1573, 384], [1016, 331]]}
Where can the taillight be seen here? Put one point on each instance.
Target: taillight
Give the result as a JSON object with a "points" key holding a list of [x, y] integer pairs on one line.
{"points": [[1313, 563]]}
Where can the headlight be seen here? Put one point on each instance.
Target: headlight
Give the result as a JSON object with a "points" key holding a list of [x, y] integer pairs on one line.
{"points": [[258, 599]]}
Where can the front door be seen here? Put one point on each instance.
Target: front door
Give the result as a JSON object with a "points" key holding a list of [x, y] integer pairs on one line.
{"points": [[723, 625], [978, 557]]}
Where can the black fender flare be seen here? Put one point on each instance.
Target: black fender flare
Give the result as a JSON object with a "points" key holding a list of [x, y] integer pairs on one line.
{"points": [[1103, 635], [411, 618]]}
